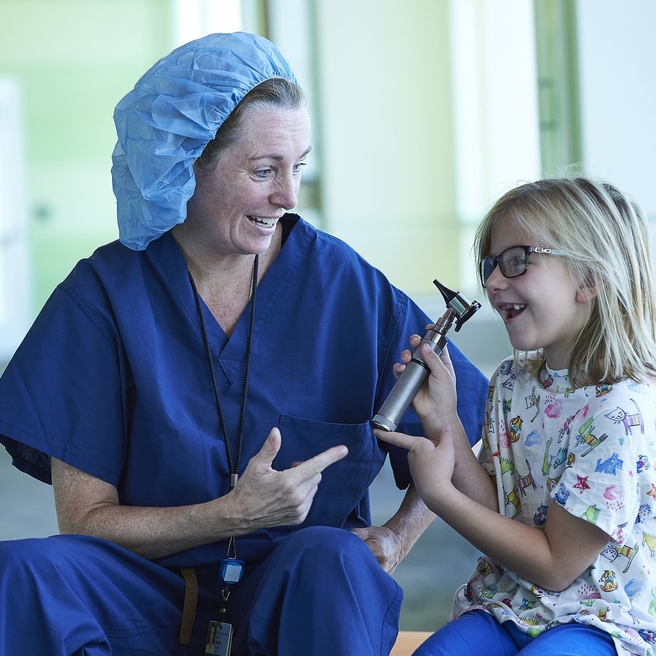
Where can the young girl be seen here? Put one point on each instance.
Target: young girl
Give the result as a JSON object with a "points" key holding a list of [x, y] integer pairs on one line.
{"points": [[561, 501]]}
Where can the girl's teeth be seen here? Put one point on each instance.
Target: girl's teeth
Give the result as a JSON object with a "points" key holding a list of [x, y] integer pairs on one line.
{"points": [[512, 310]]}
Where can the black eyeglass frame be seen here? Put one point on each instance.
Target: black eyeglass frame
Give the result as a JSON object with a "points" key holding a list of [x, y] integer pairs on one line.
{"points": [[498, 260]]}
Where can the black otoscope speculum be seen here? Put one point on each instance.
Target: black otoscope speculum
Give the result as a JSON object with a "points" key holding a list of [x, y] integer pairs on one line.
{"points": [[459, 310]]}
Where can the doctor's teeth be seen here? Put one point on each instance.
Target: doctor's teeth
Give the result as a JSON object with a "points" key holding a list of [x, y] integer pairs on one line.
{"points": [[267, 222]]}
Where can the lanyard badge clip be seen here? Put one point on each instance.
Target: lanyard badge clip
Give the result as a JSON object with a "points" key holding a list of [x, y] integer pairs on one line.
{"points": [[231, 569]]}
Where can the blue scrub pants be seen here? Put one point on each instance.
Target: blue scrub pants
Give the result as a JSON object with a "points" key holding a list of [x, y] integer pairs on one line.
{"points": [[477, 632], [320, 592]]}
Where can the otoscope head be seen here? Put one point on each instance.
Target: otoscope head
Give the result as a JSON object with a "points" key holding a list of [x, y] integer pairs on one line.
{"points": [[458, 303]]}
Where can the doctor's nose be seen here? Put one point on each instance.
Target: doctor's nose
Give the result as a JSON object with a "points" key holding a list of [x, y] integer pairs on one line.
{"points": [[285, 194]]}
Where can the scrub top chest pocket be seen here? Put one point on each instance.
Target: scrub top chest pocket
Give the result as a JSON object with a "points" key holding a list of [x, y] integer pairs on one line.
{"points": [[344, 483]]}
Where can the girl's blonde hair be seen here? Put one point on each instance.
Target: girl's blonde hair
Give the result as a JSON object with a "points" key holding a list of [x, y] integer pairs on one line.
{"points": [[604, 239]]}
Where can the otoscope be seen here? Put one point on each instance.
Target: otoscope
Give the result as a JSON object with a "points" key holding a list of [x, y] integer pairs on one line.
{"points": [[459, 309]]}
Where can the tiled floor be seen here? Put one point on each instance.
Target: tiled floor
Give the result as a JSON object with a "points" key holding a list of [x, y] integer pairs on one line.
{"points": [[439, 562]]}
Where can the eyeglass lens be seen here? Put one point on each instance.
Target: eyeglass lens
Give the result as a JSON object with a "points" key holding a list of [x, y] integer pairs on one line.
{"points": [[512, 262]]}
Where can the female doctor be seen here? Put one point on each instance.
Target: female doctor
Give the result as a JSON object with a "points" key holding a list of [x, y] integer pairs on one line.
{"points": [[199, 394]]}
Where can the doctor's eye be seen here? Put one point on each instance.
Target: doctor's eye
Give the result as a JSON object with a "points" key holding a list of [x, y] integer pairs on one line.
{"points": [[263, 174]]}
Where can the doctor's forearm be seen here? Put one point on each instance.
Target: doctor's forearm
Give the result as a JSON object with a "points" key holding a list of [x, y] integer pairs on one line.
{"points": [[411, 519], [88, 506]]}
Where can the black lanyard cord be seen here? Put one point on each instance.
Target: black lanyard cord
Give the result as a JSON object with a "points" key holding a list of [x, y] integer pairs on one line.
{"points": [[234, 468]]}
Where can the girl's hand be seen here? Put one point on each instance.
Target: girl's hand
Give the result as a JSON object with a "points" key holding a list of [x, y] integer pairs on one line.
{"points": [[436, 401], [431, 461]]}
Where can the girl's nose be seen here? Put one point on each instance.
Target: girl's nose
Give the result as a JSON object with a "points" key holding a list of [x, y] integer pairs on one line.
{"points": [[496, 279]]}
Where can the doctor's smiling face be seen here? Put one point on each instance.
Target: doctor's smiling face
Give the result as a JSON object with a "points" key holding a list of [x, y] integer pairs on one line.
{"points": [[253, 181]]}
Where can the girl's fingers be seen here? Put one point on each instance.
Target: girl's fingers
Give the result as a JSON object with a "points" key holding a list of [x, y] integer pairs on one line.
{"points": [[397, 439]]}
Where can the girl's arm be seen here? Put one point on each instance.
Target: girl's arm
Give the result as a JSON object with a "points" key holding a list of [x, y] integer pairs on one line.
{"points": [[454, 485], [552, 559]]}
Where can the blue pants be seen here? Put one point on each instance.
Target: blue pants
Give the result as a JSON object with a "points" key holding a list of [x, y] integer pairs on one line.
{"points": [[477, 632], [320, 592]]}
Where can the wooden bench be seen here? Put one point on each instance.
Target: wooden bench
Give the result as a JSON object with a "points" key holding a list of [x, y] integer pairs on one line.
{"points": [[408, 641]]}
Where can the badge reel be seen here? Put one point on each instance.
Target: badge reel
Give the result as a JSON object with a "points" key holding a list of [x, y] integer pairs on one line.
{"points": [[219, 634], [231, 570]]}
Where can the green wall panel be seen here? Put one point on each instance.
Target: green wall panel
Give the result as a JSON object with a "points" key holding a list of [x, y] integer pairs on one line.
{"points": [[74, 60]]}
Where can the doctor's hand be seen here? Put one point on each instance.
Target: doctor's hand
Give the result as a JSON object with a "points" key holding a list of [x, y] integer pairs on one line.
{"points": [[384, 543], [265, 497]]}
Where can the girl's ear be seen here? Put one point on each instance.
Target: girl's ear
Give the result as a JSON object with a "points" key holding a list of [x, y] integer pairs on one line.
{"points": [[585, 294], [586, 291]]}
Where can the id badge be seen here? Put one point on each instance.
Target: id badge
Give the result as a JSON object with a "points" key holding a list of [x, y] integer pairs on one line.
{"points": [[219, 639]]}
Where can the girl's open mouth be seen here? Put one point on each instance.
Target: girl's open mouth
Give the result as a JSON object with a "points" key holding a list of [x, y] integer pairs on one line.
{"points": [[510, 310]]}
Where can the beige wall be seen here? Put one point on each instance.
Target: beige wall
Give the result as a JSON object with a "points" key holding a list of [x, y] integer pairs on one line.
{"points": [[385, 118], [386, 127], [388, 138]]}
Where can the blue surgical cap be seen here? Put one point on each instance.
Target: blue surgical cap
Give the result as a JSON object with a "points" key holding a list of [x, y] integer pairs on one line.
{"points": [[169, 117]]}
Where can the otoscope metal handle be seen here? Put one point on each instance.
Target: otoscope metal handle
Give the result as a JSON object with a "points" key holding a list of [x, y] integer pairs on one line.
{"points": [[413, 376]]}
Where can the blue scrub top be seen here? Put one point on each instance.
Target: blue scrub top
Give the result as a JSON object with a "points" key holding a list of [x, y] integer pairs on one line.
{"points": [[113, 378]]}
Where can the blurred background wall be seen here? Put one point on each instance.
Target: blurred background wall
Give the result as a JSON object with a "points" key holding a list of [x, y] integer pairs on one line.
{"points": [[424, 112]]}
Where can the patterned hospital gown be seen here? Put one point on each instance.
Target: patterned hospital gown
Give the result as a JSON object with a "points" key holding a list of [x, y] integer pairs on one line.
{"points": [[592, 451]]}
